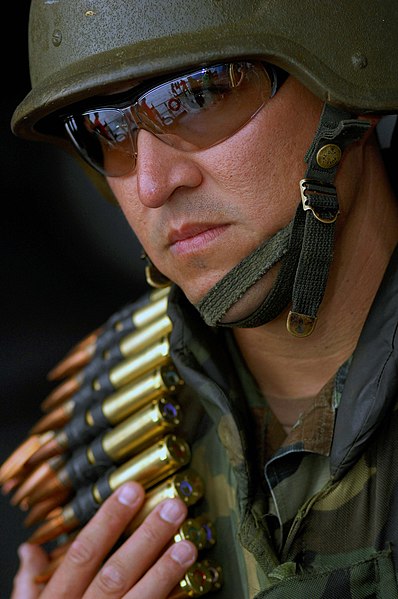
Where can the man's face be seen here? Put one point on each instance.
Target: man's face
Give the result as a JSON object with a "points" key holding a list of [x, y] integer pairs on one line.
{"points": [[197, 214]]}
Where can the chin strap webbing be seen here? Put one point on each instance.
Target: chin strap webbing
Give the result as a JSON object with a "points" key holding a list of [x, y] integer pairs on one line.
{"points": [[320, 209], [306, 254], [241, 277]]}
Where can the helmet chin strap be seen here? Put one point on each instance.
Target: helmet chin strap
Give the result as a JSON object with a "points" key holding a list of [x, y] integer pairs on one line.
{"points": [[304, 248]]}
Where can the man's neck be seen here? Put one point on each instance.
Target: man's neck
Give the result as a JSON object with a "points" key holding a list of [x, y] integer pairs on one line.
{"points": [[289, 367]]}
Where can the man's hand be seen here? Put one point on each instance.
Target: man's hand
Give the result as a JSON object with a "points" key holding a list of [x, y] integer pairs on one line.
{"points": [[141, 568]]}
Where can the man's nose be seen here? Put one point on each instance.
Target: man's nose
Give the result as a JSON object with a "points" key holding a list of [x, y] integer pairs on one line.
{"points": [[161, 169]]}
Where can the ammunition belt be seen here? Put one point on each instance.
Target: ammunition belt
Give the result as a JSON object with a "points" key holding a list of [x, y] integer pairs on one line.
{"points": [[114, 418]]}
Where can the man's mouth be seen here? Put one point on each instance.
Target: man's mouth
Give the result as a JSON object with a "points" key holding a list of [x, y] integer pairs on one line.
{"points": [[195, 237]]}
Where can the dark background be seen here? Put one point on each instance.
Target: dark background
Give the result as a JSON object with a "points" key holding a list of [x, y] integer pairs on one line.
{"points": [[68, 261]]}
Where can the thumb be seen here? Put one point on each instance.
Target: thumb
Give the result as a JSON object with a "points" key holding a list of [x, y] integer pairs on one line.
{"points": [[33, 560]]}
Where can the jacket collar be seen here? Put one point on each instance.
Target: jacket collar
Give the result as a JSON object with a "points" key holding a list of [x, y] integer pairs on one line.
{"points": [[371, 388]]}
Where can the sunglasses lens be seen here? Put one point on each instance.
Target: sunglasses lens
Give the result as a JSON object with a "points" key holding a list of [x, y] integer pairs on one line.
{"points": [[202, 109], [192, 112], [104, 138]]}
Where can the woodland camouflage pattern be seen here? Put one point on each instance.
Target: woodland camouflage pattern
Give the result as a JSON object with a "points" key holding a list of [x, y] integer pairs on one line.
{"points": [[323, 522]]}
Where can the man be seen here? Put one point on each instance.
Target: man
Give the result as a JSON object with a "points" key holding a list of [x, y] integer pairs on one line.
{"points": [[292, 380]]}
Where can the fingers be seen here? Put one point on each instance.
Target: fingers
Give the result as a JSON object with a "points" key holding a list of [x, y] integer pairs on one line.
{"points": [[138, 558], [145, 566], [166, 573], [94, 542], [33, 561]]}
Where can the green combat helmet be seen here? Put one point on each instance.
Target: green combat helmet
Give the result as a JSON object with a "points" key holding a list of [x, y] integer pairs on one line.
{"points": [[80, 49], [345, 53]]}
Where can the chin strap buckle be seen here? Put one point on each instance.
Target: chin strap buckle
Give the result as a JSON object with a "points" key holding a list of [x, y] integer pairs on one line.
{"points": [[321, 199], [300, 325]]}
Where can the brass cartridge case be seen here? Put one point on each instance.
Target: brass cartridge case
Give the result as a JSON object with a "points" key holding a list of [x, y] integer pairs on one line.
{"points": [[132, 397], [151, 465], [191, 530], [209, 530], [187, 485], [156, 306], [216, 573], [199, 531], [131, 435], [198, 581], [145, 361], [153, 310], [141, 338]]}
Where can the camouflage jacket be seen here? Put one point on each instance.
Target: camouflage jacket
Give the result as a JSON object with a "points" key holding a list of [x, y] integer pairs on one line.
{"points": [[335, 506]]}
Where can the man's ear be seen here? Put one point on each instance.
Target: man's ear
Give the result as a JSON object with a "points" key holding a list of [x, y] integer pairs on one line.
{"points": [[374, 120]]}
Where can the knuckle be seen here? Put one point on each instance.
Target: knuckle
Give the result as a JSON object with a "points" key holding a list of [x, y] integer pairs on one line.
{"points": [[170, 571], [113, 514], [149, 532], [112, 578], [81, 551]]}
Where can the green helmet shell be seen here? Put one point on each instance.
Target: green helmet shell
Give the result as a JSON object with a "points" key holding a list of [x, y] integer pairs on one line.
{"points": [[345, 52]]}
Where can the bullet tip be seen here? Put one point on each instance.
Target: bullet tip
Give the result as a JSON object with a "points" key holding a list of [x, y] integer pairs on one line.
{"points": [[15, 465], [61, 393], [48, 531]]}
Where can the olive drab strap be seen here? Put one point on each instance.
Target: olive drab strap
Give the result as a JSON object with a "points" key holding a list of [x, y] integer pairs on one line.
{"points": [[320, 209], [115, 418], [239, 279]]}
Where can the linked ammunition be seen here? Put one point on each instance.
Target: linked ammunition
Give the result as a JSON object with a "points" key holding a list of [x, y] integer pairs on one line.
{"points": [[124, 372], [48, 449], [115, 445], [161, 415], [11, 484], [55, 419], [209, 529], [110, 351], [85, 426], [112, 421], [62, 392], [138, 340], [131, 317], [149, 467]]}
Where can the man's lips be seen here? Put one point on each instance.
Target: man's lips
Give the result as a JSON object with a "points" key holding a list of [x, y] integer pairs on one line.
{"points": [[189, 238]]}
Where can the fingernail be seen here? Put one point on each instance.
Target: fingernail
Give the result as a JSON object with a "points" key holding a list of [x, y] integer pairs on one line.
{"points": [[183, 553], [171, 511], [128, 495]]}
